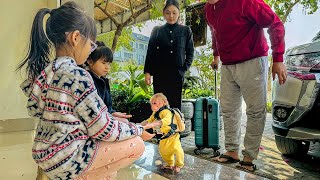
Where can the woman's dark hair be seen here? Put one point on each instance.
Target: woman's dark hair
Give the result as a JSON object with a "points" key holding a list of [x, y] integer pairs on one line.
{"points": [[171, 2], [102, 52], [67, 18]]}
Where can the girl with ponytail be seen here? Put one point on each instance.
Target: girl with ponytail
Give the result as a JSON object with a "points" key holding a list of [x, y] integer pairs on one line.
{"points": [[76, 137]]}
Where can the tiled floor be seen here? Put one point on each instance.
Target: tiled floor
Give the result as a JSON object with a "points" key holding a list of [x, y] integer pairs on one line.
{"points": [[16, 163], [15, 156], [195, 168]]}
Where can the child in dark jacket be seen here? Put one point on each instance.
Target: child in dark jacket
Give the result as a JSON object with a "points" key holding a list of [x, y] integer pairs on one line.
{"points": [[99, 63]]}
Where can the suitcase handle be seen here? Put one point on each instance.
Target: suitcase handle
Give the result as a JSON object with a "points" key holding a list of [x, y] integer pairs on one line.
{"points": [[210, 109], [215, 81]]}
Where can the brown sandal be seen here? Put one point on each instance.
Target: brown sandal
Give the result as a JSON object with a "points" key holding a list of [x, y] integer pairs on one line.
{"points": [[243, 164]]}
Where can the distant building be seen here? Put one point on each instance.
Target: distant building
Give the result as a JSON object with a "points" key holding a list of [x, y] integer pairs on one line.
{"points": [[139, 50]]}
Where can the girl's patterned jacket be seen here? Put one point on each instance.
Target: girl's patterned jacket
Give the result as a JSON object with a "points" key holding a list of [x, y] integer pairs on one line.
{"points": [[73, 119]]}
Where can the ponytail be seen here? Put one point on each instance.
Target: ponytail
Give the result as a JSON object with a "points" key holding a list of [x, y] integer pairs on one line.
{"points": [[38, 54], [67, 18]]}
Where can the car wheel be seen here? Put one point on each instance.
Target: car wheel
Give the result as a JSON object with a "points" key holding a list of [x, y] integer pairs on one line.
{"points": [[289, 146]]}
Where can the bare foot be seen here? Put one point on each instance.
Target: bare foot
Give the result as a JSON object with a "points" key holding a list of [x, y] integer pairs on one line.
{"points": [[177, 169]]}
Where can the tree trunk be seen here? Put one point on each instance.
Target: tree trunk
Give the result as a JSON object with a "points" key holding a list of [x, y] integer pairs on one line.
{"points": [[117, 34]]}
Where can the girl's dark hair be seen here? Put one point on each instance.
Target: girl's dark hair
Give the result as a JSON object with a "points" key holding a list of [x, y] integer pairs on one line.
{"points": [[67, 18], [171, 2], [102, 52]]}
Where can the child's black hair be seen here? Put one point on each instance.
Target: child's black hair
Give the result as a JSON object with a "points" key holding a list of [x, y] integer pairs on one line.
{"points": [[102, 52], [171, 2], [67, 18]]}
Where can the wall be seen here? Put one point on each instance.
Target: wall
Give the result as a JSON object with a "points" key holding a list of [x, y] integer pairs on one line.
{"points": [[16, 18]]}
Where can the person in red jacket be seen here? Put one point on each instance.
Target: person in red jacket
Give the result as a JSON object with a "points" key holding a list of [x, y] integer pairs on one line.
{"points": [[238, 40]]}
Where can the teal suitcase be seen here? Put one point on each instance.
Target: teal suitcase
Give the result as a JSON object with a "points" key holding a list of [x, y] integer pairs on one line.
{"points": [[207, 123]]}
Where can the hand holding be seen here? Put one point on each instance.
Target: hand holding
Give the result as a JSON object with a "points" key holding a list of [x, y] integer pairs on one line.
{"points": [[215, 63]]}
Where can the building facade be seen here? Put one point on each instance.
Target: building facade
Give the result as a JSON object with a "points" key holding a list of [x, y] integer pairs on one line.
{"points": [[139, 50]]}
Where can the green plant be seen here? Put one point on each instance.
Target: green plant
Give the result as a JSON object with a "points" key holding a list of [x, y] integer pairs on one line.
{"points": [[269, 107], [190, 81], [206, 74], [130, 88], [195, 93], [119, 99]]}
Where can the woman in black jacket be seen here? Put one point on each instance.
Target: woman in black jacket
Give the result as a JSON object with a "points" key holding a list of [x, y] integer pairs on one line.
{"points": [[169, 55]]}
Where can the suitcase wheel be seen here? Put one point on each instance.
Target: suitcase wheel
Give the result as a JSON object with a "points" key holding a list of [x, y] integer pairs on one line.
{"points": [[216, 153], [197, 151]]}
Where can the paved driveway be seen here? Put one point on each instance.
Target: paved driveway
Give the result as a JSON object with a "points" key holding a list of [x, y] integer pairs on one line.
{"points": [[270, 163]]}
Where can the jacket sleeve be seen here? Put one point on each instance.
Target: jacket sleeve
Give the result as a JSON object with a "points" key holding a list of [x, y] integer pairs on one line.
{"points": [[213, 36], [214, 42], [151, 118], [148, 66], [260, 13], [189, 49], [94, 114]]}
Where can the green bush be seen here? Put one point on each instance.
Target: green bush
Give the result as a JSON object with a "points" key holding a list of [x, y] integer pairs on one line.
{"points": [[119, 100], [130, 94], [269, 107], [196, 93]]}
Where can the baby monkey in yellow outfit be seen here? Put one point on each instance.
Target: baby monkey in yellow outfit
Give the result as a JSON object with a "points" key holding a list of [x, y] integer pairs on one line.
{"points": [[169, 146]]}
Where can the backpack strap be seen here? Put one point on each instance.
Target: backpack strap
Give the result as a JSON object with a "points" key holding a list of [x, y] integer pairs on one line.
{"points": [[173, 126], [157, 114]]}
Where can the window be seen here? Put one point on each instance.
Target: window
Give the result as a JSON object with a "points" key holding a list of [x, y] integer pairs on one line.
{"points": [[117, 54], [128, 55], [141, 46], [140, 59]]}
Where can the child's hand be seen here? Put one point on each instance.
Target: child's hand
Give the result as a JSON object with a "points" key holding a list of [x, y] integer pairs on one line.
{"points": [[147, 126], [121, 115], [146, 136]]}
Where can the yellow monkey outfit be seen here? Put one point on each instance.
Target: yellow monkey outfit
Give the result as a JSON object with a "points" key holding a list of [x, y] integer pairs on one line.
{"points": [[170, 146]]}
